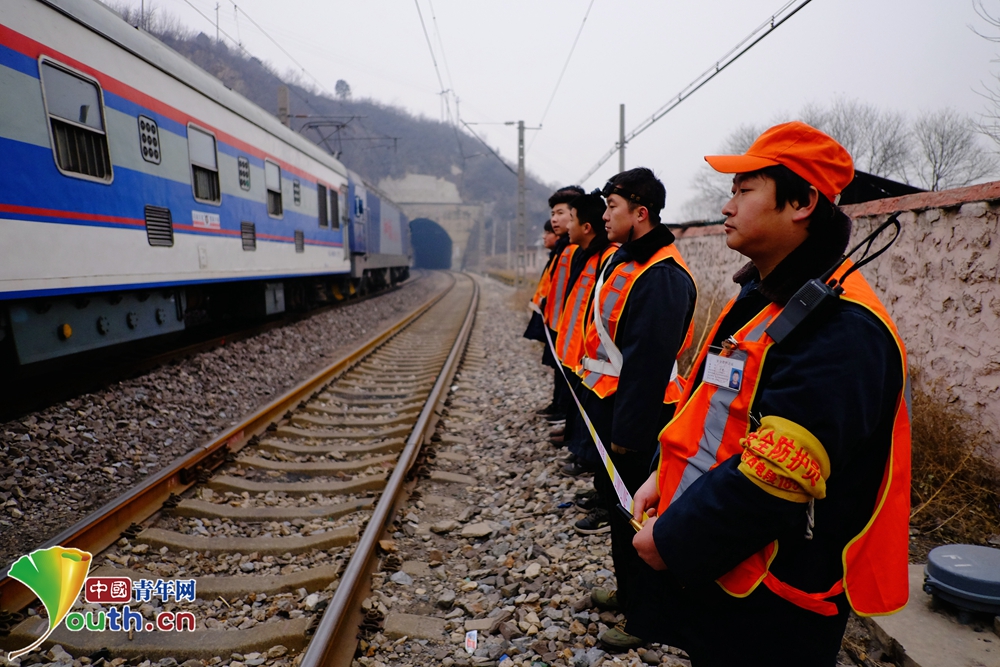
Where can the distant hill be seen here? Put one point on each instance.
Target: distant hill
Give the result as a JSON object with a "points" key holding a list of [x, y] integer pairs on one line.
{"points": [[379, 141]]}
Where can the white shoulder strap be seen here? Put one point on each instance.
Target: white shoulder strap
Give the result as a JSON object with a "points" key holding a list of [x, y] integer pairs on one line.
{"points": [[614, 354], [613, 366]]}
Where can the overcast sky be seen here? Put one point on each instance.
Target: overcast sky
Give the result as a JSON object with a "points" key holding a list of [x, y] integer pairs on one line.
{"points": [[502, 59]]}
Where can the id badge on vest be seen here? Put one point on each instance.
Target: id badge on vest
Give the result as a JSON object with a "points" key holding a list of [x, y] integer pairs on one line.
{"points": [[724, 367]]}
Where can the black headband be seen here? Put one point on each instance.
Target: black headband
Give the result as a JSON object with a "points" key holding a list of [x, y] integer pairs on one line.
{"points": [[611, 188]]}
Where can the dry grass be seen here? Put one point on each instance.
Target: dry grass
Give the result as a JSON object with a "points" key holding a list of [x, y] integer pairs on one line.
{"points": [[955, 491]]}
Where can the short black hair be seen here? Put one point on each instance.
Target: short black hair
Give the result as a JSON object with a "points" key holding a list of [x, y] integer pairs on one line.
{"points": [[828, 225], [548, 227], [565, 195], [645, 185], [590, 209]]}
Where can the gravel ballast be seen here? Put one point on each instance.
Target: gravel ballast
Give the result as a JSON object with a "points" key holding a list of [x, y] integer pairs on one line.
{"points": [[62, 463]]}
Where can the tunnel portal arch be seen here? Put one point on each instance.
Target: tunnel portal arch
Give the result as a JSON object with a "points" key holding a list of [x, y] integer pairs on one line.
{"points": [[432, 245]]}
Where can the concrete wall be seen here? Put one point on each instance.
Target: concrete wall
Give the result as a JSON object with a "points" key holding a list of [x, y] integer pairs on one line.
{"points": [[940, 281]]}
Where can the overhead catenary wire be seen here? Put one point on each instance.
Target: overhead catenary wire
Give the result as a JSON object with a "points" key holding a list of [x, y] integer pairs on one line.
{"points": [[437, 70], [243, 49], [282, 49], [747, 43], [561, 73], [490, 148]]}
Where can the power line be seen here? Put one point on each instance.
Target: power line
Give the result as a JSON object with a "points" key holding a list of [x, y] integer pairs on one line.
{"points": [[444, 58], [565, 65], [722, 63], [489, 148], [282, 49], [243, 49], [437, 70]]}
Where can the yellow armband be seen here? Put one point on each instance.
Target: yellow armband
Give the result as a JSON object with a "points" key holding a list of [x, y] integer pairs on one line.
{"points": [[786, 460]]}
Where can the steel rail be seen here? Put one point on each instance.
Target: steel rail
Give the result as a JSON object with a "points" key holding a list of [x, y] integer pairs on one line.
{"points": [[103, 527], [334, 637]]}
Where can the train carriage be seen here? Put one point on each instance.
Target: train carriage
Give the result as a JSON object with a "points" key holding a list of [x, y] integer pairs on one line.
{"points": [[141, 196]]}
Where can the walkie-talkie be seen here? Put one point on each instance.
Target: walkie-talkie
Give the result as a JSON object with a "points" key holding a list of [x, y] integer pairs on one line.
{"points": [[818, 293]]}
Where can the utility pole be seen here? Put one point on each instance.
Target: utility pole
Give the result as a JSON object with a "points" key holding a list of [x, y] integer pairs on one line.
{"points": [[508, 244], [521, 269], [216, 22], [621, 138]]}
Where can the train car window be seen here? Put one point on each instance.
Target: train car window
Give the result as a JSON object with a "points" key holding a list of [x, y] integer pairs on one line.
{"points": [[297, 193], [248, 231], [324, 216], [335, 208], [300, 241], [76, 121], [272, 180], [204, 165], [244, 169], [149, 139]]}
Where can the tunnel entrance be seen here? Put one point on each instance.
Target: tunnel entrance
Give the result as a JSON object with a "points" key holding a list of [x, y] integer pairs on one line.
{"points": [[432, 245]]}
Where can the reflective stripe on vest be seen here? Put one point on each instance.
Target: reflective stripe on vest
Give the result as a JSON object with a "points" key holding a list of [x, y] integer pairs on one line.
{"points": [[557, 288], [543, 285], [707, 429], [569, 344], [601, 364]]}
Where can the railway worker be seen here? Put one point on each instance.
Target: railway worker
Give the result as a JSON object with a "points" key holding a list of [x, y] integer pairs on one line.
{"points": [[556, 296], [640, 320], [534, 330], [586, 230], [809, 452]]}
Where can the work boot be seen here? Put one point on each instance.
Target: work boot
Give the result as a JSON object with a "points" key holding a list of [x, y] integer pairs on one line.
{"points": [[586, 500], [557, 440], [597, 521], [575, 469], [558, 431], [604, 599], [616, 639], [555, 417], [549, 409]]}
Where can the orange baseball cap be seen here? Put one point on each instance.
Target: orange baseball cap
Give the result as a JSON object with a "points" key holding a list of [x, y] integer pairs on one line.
{"points": [[814, 156]]}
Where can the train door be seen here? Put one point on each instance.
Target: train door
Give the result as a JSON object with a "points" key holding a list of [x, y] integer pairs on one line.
{"points": [[374, 223], [358, 215]]}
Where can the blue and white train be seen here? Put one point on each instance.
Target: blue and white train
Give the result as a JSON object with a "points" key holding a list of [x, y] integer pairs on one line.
{"points": [[140, 196]]}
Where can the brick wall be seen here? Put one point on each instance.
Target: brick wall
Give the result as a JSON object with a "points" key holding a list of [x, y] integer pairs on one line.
{"points": [[940, 281]]}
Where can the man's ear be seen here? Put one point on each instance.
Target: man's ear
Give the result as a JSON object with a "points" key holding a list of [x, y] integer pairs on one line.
{"points": [[587, 228], [805, 211]]}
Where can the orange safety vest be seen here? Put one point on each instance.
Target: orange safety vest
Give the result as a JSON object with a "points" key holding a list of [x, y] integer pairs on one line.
{"points": [[569, 345], [608, 305], [543, 284], [557, 287], [707, 429]]}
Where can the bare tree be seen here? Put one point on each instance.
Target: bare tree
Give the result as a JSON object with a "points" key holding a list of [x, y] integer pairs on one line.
{"points": [[878, 140], [989, 122], [714, 188], [342, 89], [948, 154]]}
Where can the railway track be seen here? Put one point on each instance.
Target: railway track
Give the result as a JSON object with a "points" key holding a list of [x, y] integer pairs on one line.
{"points": [[278, 520]]}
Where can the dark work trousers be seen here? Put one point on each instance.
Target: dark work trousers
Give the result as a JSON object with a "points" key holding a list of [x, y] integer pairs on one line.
{"points": [[578, 439], [696, 617], [634, 470]]}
